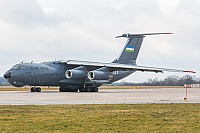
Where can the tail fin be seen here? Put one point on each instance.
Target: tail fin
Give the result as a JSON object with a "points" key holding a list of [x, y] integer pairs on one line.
{"points": [[132, 48]]}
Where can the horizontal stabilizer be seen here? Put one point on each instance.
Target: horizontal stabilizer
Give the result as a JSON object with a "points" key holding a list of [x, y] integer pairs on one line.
{"points": [[140, 35]]}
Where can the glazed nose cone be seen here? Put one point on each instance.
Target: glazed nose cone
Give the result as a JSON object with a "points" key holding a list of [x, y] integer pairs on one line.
{"points": [[7, 75]]}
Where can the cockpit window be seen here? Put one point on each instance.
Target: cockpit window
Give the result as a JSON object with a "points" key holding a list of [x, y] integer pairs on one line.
{"points": [[17, 67]]}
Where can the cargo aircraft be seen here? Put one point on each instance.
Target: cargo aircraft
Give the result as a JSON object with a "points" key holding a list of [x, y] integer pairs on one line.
{"points": [[82, 76]]}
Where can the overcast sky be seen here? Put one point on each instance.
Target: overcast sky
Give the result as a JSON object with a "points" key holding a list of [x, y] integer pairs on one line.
{"points": [[45, 30]]}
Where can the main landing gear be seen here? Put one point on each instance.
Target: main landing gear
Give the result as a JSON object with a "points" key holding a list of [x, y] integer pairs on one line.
{"points": [[35, 89], [65, 89], [86, 89], [89, 89]]}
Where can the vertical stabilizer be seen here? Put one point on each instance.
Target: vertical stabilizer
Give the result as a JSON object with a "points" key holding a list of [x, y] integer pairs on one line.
{"points": [[132, 48], [130, 51]]}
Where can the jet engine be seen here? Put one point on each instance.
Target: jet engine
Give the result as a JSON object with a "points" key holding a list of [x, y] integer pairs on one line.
{"points": [[77, 73], [100, 74]]}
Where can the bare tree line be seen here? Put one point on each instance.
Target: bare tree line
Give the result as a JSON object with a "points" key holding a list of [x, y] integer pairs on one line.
{"points": [[172, 80]]}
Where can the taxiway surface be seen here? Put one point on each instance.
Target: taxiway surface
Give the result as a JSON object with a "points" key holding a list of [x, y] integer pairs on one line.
{"points": [[111, 96]]}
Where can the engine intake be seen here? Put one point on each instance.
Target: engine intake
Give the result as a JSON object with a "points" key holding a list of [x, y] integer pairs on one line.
{"points": [[100, 74], [77, 73]]}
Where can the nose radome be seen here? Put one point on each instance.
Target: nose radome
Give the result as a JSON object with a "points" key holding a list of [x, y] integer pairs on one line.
{"points": [[7, 75]]}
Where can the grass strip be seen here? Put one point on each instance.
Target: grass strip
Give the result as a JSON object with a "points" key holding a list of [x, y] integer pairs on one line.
{"points": [[101, 118]]}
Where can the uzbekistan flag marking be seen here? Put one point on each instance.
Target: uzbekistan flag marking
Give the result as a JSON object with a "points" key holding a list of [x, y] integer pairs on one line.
{"points": [[129, 49]]}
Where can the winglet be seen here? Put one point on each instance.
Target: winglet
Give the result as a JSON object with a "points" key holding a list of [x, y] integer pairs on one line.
{"points": [[140, 35]]}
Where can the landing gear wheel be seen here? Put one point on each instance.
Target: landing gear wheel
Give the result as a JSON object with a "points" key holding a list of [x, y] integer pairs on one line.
{"points": [[61, 89], [32, 89], [38, 89], [75, 90], [35, 89], [65, 89], [88, 89], [94, 89]]}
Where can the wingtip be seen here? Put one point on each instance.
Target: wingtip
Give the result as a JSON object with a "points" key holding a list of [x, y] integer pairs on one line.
{"points": [[169, 33], [189, 71]]}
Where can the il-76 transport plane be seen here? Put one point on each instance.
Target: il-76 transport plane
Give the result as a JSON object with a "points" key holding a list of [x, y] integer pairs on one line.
{"points": [[82, 76]]}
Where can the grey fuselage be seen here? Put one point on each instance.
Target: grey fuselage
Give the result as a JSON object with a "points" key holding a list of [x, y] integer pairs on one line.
{"points": [[53, 74]]}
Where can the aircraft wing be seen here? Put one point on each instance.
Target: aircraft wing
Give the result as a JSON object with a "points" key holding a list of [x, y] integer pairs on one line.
{"points": [[117, 66]]}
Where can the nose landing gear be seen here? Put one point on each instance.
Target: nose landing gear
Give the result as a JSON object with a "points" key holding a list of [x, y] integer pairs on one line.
{"points": [[35, 89]]}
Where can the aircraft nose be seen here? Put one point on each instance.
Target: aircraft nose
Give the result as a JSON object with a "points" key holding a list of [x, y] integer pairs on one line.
{"points": [[7, 75]]}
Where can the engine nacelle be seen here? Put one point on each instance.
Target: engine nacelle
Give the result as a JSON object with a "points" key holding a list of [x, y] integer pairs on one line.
{"points": [[76, 73], [99, 75]]}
